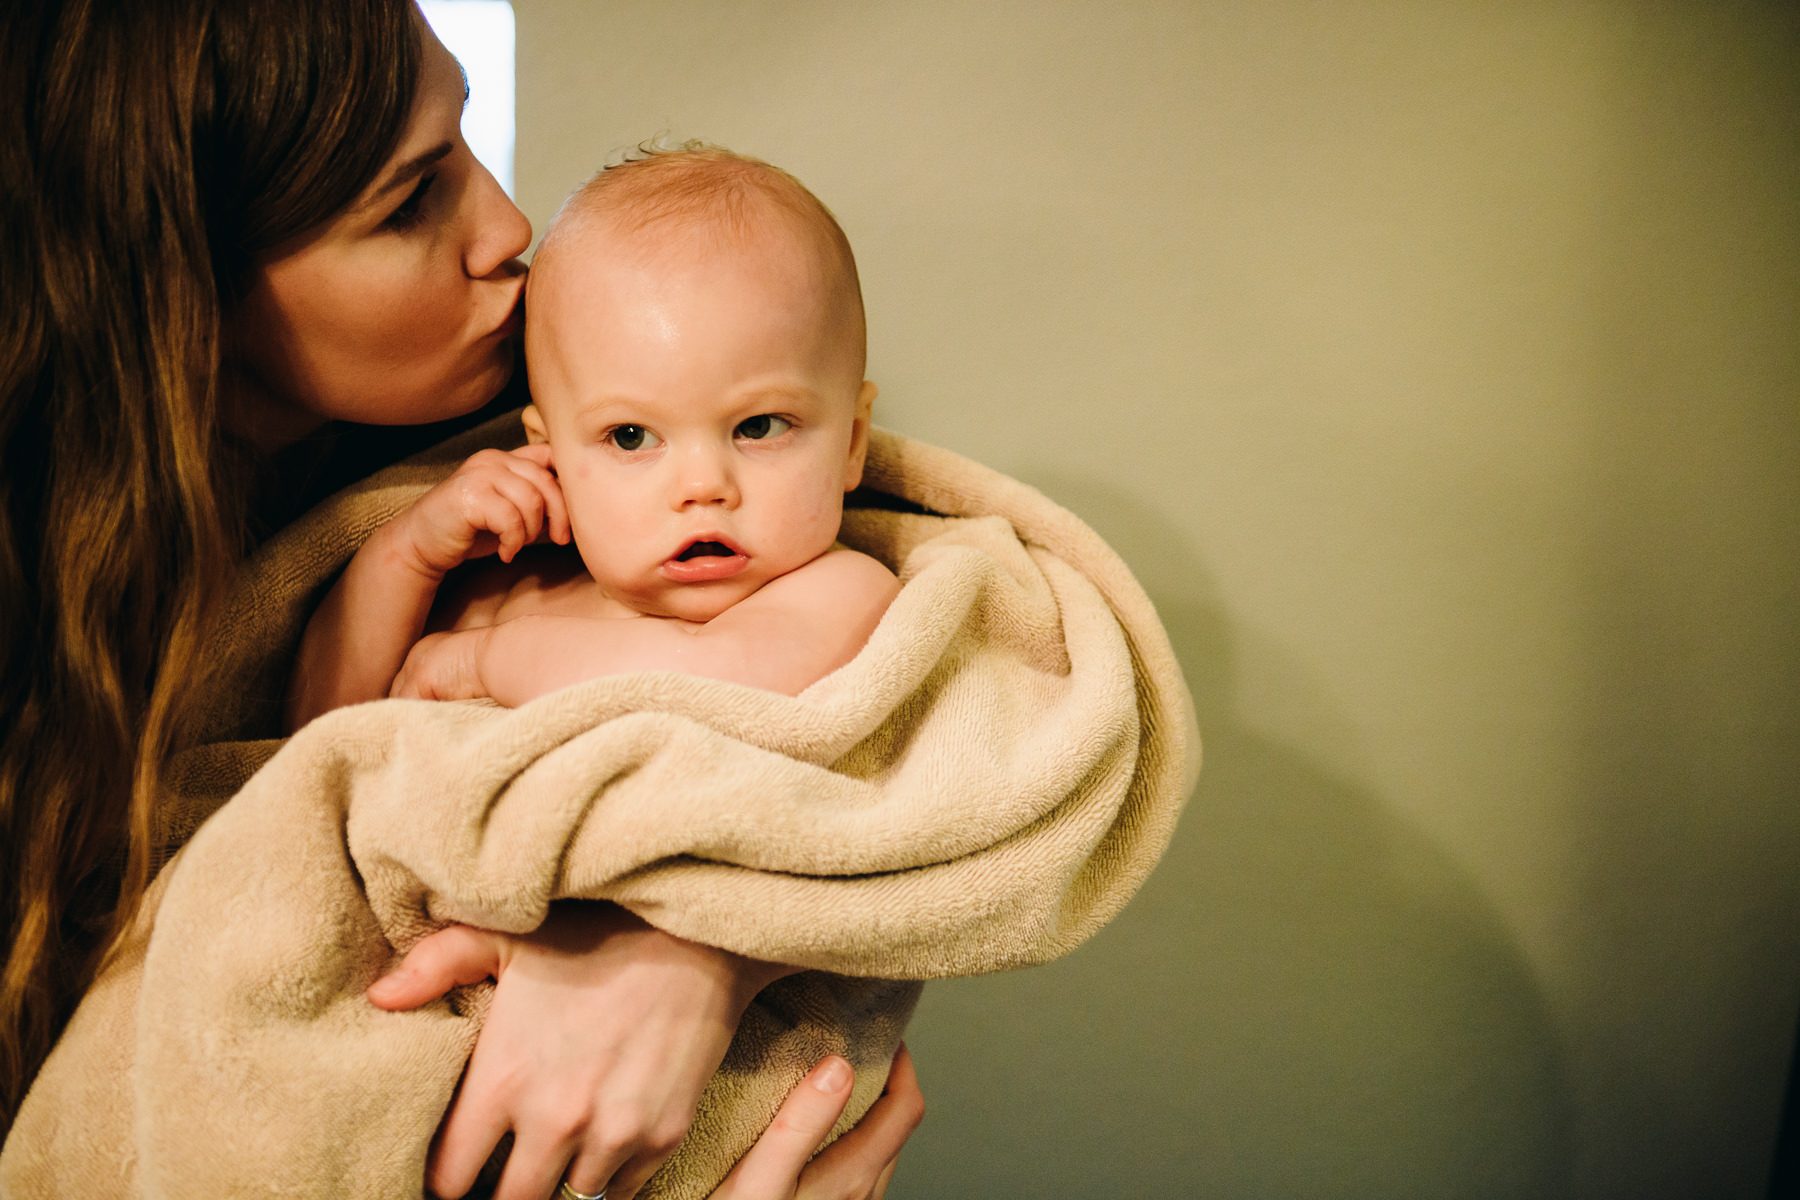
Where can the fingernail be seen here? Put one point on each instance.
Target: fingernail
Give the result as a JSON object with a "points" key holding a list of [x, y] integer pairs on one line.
{"points": [[833, 1076]]}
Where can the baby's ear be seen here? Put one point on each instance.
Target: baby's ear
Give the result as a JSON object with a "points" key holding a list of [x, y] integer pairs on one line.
{"points": [[859, 434], [534, 425]]}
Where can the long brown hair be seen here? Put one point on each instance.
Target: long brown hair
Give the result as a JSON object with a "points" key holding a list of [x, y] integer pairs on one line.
{"points": [[156, 149]]}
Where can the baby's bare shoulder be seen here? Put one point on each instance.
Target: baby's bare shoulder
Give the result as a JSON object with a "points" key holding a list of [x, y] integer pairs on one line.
{"points": [[799, 628], [841, 581]]}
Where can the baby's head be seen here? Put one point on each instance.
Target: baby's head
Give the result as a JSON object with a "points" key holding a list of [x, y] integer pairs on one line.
{"points": [[694, 329]]}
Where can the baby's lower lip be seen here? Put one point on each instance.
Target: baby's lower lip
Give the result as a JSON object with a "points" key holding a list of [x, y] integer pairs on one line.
{"points": [[705, 569]]}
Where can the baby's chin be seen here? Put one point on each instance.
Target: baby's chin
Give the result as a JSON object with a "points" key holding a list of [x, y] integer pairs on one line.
{"points": [[694, 602]]}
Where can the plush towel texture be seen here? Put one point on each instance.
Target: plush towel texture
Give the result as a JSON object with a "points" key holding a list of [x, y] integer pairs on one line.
{"points": [[982, 788]]}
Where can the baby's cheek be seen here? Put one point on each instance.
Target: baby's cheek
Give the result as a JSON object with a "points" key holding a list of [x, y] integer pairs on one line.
{"points": [[827, 515], [587, 501], [585, 543]]}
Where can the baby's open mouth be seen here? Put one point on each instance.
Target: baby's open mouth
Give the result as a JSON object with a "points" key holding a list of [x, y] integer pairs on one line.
{"points": [[706, 561], [705, 550]]}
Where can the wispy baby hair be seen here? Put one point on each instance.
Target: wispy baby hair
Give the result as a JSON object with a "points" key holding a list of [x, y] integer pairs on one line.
{"points": [[703, 192]]}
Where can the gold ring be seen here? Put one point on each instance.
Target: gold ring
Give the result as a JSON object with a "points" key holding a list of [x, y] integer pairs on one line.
{"points": [[565, 1192]]}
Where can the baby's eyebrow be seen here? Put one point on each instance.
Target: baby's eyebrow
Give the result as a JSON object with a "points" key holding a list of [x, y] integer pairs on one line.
{"points": [[778, 392], [598, 414]]}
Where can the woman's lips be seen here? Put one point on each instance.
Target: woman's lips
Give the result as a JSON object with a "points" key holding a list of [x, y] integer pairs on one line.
{"points": [[515, 320]]}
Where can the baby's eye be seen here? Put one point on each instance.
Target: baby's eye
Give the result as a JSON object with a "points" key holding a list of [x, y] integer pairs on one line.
{"points": [[763, 427], [632, 437]]}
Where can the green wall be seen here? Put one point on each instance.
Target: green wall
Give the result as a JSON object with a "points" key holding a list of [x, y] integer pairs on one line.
{"points": [[1437, 367]]}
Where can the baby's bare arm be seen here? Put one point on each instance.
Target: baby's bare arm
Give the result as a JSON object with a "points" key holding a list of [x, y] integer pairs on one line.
{"points": [[360, 634], [788, 635], [356, 641]]}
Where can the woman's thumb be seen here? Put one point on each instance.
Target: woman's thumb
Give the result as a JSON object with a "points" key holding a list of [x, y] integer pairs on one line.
{"points": [[453, 955], [773, 1165]]}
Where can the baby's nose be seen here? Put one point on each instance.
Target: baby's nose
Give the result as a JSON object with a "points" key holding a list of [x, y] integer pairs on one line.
{"points": [[705, 476]]}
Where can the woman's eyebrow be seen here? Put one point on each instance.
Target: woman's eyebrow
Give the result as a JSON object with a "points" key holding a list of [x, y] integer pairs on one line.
{"points": [[406, 172]]}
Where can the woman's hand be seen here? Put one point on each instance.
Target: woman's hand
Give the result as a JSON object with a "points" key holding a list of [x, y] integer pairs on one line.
{"points": [[857, 1166], [600, 1037]]}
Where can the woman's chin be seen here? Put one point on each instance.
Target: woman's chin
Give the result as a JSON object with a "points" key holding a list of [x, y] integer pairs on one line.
{"points": [[451, 399]]}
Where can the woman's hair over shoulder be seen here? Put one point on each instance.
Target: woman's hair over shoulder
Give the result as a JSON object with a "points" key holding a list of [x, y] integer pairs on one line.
{"points": [[151, 152]]}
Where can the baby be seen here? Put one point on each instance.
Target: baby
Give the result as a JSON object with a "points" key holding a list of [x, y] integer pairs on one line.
{"points": [[696, 347]]}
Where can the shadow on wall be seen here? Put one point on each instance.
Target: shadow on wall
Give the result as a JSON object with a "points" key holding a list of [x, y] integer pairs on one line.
{"points": [[1306, 999]]}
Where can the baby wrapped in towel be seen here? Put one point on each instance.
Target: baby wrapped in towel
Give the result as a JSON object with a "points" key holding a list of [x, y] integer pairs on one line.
{"points": [[696, 346]]}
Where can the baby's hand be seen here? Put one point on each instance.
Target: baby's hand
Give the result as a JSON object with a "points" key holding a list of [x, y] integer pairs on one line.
{"points": [[443, 666], [496, 501]]}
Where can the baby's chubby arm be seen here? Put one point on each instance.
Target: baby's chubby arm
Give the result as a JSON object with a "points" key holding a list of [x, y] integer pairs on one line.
{"points": [[784, 637], [355, 643]]}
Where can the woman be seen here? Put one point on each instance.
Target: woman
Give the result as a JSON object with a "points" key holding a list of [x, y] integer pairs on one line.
{"points": [[222, 226]]}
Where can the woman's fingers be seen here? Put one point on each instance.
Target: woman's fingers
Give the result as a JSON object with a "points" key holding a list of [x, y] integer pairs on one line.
{"points": [[599, 1040], [887, 1177], [561, 1137], [452, 956], [463, 1145], [861, 1162], [590, 1173], [858, 1165], [532, 1172], [772, 1168]]}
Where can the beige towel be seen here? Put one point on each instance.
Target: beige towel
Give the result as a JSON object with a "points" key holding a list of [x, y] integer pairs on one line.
{"points": [[982, 788]]}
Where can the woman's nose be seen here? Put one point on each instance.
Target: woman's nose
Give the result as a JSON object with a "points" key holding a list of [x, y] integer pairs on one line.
{"points": [[704, 476], [500, 232]]}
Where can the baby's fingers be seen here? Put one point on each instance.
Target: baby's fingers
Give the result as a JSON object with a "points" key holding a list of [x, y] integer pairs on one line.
{"points": [[534, 465], [410, 683], [516, 513], [443, 666]]}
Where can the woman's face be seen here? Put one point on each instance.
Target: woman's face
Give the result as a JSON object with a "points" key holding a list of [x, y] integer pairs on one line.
{"points": [[402, 309]]}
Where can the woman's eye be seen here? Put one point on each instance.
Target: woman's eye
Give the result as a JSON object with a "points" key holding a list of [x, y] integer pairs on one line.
{"points": [[632, 437], [413, 207], [763, 427]]}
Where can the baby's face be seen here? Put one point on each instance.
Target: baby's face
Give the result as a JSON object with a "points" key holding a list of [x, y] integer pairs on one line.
{"points": [[706, 414]]}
